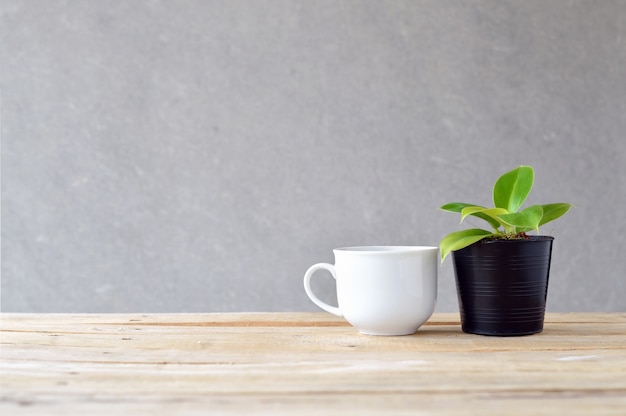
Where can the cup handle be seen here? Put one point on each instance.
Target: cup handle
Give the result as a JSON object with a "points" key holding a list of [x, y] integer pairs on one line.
{"points": [[307, 287]]}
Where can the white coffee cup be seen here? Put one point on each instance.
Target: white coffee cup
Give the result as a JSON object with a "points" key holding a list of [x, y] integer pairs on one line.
{"points": [[382, 290]]}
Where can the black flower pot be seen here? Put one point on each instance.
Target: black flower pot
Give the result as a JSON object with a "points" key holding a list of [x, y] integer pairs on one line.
{"points": [[502, 285]]}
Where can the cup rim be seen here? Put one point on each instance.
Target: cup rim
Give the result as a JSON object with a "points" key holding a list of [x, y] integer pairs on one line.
{"points": [[382, 250]]}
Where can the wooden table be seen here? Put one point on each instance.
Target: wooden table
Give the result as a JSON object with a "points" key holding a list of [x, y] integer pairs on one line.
{"points": [[305, 363]]}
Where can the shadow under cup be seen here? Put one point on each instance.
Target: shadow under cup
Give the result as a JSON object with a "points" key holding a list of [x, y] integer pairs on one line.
{"points": [[382, 290]]}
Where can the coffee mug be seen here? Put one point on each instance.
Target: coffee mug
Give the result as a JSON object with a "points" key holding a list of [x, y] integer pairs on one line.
{"points": [[382, 290]]}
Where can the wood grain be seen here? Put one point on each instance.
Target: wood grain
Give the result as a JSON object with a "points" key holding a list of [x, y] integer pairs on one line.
{"points": [[281, 363]]}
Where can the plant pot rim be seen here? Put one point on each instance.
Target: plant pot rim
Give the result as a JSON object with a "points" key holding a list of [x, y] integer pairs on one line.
{"points": [[530, 239]]}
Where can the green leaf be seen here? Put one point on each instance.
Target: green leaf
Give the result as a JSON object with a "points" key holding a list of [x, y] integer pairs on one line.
{"points": [[459, 206], [461, 239], [512, 188], [455, 206], [553, 211], [491, 213], [526, 219]]}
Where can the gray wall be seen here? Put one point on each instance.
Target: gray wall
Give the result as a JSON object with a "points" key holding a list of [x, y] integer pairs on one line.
{"points": [[185, 156]]}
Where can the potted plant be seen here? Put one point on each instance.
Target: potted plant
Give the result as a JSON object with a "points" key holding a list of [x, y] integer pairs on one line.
{"points": [[502, 273]]}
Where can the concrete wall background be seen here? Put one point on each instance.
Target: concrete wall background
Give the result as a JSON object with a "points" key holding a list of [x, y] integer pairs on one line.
{"points": [[185, 156]]}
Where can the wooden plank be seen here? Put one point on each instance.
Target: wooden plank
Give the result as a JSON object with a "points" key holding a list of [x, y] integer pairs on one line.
{"points": [[282, 363]]}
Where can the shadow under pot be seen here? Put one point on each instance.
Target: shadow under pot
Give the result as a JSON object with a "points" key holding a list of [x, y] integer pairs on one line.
{"points": [[502, 285]]}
